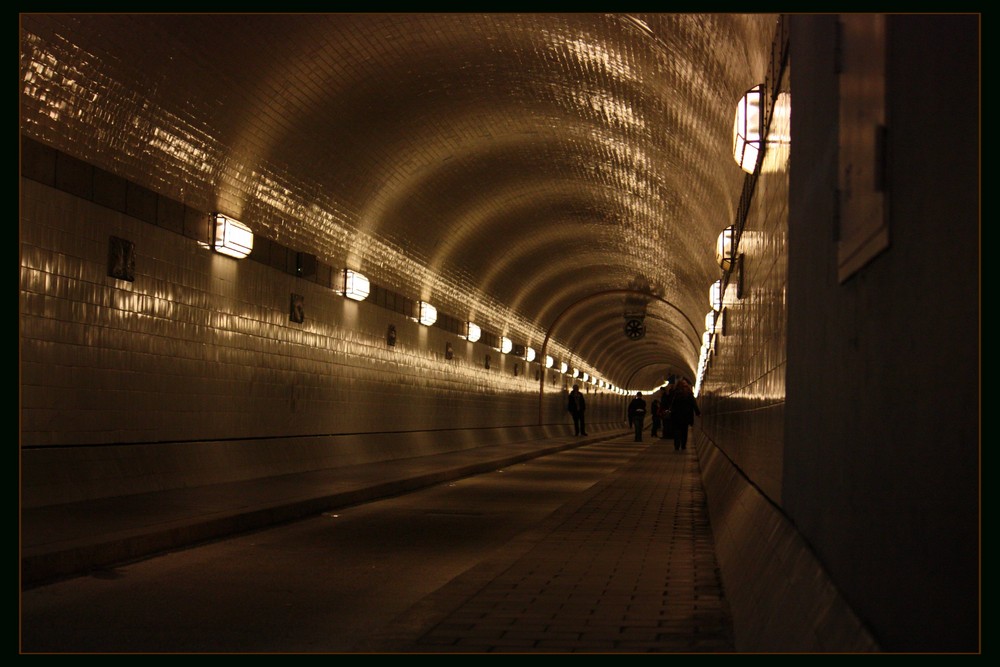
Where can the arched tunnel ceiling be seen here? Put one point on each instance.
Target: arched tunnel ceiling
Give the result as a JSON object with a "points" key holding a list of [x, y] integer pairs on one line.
{"points": [[509, 168]]}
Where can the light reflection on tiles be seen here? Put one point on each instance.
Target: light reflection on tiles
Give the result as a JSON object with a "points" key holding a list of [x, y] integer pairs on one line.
{"points": [[745, 386]]}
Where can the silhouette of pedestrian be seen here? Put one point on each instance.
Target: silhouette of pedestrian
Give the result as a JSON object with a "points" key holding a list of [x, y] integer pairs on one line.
{"points": [[576, 406], [637, 414], [683, 408], [654, 415]]}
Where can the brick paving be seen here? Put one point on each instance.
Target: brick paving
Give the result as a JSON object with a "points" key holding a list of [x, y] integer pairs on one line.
{"points": [[629, 567]]}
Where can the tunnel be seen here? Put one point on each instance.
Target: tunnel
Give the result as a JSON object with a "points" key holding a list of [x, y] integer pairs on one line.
{"points": [[255, 247]]}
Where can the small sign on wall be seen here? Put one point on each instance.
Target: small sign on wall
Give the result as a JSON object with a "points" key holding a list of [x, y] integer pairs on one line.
{"points": [[297, 311], [121, 259], [390, 335], [448, 351]]}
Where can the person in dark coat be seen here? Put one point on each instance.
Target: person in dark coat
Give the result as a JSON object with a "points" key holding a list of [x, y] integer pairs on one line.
{"points": [[576, 406], [637, 414], [666, 433], [683, 408], [654, 415]]}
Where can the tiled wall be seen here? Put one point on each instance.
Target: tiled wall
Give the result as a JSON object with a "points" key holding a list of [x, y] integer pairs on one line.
{"points": [[743, 394], [846, 516], [780, 596], [200, 346]]}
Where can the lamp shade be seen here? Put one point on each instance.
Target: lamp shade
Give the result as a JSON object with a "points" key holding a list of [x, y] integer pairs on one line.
{"points": [[715, 295], [356, 286], [472, 332], [232, 237], [747, 131], [428, 314], [725, 249]]}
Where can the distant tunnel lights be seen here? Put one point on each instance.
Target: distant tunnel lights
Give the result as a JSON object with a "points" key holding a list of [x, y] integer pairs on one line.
{"points": [[232, 237], [356, 286]]}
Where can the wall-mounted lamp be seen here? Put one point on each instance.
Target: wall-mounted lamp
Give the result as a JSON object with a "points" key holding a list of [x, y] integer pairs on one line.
{"points": [[746, 129], [506, 344], [232, 237], [472, 332], [715, 295], [549, 361], [576, 372], [748, 139], [586, 376], [725, 248], [355, 285], [529, 354], [428, 314]]}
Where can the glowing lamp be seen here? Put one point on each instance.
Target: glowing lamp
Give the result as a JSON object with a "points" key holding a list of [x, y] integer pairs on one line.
{"points": [[563, 367], [472, 332], [232, 237], [715, 295], [356, 286], [529, 354], [746, 129], [710, 321], [725, 249], [506, 345], [428, 314], [549, 361]]}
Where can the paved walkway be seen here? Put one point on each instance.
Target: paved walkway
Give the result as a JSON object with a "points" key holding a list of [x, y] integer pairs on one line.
{"points": [[627, 568]]}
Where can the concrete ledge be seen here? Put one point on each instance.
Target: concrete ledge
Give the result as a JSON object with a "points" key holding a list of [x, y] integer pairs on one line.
{"points": [[781, 598], [69, 539], [59, 475]]}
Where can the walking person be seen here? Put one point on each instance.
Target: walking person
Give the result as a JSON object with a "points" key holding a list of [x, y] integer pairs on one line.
{"points": [[683, 408], [576, 406], [637, 414], [666, 433], [654, 415]]}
